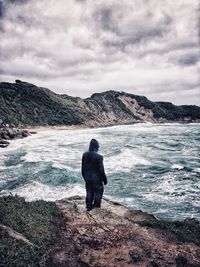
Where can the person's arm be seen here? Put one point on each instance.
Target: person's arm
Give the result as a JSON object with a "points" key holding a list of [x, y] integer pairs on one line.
{"points": [[101, 171], [82, 172]]}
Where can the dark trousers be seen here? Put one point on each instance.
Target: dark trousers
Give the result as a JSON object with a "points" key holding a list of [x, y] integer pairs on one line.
{"points": [[94, 193]]}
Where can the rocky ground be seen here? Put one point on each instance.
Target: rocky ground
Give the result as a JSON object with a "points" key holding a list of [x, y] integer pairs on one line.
{"points": [[7, 133], [64, 234], [114, 236]]}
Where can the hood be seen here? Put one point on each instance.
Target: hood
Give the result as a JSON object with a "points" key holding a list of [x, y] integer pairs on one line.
{"points": [[94, 145]]}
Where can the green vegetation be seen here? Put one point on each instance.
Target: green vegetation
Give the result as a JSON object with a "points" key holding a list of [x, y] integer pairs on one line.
{"points": [[17, 253], [33, 220], [186, 231], [23, 104]]}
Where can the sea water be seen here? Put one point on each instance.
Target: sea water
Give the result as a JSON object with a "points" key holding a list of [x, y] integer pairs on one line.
{"points": [[150, 167]]}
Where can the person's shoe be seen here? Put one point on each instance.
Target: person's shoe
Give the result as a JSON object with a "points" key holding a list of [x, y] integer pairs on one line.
{"points": [[89, 209], [96, 206]]}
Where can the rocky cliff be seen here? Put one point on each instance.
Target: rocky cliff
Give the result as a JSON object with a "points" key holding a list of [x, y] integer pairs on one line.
{"points": [[11, 133], [24, 104], [62, 234], [115, 236]]}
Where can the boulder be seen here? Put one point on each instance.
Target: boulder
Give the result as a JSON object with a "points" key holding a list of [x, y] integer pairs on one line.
{"points": [[11, 133], [4, 143]]}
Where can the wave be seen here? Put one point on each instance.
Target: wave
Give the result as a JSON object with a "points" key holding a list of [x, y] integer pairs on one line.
{"points": [[124, 160], [150, 167], [15, 158], [177, 167], [37, 190], [197, 170], [63, 166], [41, 171], [181, 167]]}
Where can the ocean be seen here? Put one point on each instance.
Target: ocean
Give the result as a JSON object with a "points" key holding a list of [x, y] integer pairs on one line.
{"points": [[150, 167]]}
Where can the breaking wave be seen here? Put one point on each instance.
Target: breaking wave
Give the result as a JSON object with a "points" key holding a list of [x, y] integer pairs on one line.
{"points": [[152, 167]]}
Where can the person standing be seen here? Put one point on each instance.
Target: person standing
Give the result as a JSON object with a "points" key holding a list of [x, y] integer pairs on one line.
{"points": [[94, 175]]}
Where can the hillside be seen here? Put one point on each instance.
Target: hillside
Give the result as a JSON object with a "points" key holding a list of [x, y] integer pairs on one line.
{"points": [[24, 104]]}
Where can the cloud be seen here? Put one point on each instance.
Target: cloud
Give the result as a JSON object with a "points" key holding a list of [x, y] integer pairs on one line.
{"points": [[189, 59], [79, 47], [128, 30]]}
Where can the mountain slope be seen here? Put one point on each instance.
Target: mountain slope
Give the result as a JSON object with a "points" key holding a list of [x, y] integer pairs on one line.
{"points": [[24, 104], [27, 104]]}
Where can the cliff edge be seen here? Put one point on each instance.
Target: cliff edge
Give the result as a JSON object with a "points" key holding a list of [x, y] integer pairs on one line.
{"points": [[116, 236], [63, 234]]}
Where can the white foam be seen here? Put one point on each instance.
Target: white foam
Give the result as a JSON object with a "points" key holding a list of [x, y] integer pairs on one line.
{"points": [[124, 161], [198, 184], [36, 190], [136, 144], [197, 170], [196, 203], [64, 149], [170, 189], [177, 167], [8, 167], [160, 198], [61, 166]]}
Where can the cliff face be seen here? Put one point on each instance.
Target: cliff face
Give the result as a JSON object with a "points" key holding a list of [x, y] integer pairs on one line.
{"points": [[24, 104]]}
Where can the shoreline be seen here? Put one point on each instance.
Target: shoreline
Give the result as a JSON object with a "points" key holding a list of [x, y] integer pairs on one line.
{"points": [[81, 126], [48, 128], [23, 132]]}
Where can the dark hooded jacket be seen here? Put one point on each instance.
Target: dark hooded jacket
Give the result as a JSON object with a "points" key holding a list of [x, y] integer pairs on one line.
{"points": [[92, 164]]}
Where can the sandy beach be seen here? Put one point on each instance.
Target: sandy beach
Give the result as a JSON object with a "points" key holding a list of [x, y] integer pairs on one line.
{"points": [[49, 128]]}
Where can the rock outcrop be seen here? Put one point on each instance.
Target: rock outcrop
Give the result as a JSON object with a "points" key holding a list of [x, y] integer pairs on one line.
{"points": [[64, 234], [7, 133], [23, 104], [116, 236]]}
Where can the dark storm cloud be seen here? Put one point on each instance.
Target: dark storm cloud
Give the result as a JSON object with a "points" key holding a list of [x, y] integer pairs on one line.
{"points": [[16, 1], [125, 40], [103, 18], [134, 32], [4, 4], [144, 47], [190, 59], [1, 9], [172, 47]]}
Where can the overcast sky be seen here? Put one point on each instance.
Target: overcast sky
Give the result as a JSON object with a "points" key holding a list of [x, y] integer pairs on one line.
{"points": [[78, 47]]}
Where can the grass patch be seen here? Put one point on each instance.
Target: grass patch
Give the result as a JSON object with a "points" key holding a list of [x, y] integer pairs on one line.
{"points": [[34, 220], [17, 253], [186, 231]]}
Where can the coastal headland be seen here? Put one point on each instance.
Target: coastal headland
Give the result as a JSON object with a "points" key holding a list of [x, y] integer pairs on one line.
{"points": [[25, 105], [26, 108]]}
